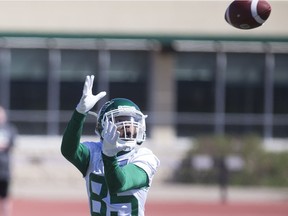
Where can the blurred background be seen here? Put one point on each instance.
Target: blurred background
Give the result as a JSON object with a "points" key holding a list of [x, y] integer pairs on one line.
{"points": [[216, 96]]}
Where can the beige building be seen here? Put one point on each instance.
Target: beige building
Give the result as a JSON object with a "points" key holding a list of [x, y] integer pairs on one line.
{"points": [[189, 70], [164, 18], [187, 62]]}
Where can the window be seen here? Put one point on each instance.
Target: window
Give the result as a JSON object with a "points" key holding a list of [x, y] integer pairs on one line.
{"points": [[28, 89], [128, 76], [29, 70], [281, 84], [75, 66], [245, 83], [195, 76], [245, 77], [280, 95]]}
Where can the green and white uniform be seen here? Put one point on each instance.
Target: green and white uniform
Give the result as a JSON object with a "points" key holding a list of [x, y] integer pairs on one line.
{"points": [[115, 185]]}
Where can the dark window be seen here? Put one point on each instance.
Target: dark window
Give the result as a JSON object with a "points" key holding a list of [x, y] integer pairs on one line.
{"points": [[281, 84], [280, 95], [29, 69], [28, 89], [195, 76], [75, 66], [245, 77], [245, 83], [128, 76]]}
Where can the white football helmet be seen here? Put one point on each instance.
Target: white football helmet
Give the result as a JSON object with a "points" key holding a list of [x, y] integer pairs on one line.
{"points": [[128, 118]]}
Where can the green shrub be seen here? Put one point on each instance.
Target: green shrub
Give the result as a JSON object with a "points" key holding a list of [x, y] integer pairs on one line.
{"points": [[259, 167]]}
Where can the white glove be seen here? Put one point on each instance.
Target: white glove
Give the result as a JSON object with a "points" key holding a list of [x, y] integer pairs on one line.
{"points": [[88, 100], [111, 142]]}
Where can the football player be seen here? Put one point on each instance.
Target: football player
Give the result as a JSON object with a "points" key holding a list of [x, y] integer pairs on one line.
{"points": [[118, 175], [8, 133]]}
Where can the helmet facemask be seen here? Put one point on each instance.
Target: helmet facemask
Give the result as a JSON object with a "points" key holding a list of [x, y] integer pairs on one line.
{"points": [[130, 123]]}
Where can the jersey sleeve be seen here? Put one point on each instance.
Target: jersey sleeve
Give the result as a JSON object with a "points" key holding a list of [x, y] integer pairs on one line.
{"points": [[120, 179], [71, 148], [146, 160]]}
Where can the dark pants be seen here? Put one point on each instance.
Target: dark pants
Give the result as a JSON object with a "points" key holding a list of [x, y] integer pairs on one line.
{"points": [[4, 184]]}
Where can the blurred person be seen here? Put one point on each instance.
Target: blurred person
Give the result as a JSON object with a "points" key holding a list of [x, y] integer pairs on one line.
{"points": [[118, 175], [7, 137]]}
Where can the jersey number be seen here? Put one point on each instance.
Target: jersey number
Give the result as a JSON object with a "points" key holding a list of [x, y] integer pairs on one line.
{"points": [[114, 198]]}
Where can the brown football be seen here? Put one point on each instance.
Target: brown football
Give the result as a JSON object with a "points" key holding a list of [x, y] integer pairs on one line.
{"points": [[247, 14]]}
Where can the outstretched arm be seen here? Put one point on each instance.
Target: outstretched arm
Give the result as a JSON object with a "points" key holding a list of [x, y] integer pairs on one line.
{"points": [[71, 148]]}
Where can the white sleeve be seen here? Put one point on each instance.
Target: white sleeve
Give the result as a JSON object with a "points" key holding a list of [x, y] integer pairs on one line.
{"points": [[146, 160], [95, 154]]}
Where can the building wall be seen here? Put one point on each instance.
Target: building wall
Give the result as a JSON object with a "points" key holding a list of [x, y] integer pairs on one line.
{"points": [[145, 18], [204, 19], [132, 17]]}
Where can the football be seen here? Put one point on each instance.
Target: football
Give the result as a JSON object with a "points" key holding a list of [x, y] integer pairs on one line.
{"points": [[247, 14]]}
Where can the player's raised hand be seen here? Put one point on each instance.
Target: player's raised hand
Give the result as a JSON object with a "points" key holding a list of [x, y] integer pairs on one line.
{"points": [[88, 100], [111, 144]]}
